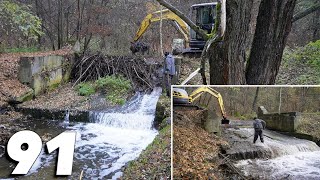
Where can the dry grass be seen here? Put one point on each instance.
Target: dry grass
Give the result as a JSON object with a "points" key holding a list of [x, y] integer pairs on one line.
{"points": [[310, 124]]}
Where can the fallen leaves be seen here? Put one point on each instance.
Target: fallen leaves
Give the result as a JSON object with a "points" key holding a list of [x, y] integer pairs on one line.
{"points": [[195, 152]]}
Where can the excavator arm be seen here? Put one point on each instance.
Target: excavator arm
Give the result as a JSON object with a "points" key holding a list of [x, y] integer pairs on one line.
{"points": [[166, 15], [201, 90]]}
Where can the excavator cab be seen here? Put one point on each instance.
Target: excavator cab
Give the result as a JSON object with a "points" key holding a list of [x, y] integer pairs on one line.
{"points": [[204, 16]]}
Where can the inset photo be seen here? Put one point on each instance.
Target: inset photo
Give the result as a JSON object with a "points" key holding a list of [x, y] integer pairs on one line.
{"points": [[246, 132]]}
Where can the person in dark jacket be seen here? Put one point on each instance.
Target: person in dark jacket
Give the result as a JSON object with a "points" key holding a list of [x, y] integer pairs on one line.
{"points": [[259, 125], [169, 70]]}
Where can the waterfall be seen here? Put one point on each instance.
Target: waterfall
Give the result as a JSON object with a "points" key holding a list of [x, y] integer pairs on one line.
{"points": [[111, 139], [141, 115], [66, 117], [291, 158]]}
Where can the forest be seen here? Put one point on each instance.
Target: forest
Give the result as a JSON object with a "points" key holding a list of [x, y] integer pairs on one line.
{"points": [[243, 102]]}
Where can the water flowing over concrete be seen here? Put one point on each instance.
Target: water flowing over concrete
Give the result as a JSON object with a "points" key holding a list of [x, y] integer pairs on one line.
{"points": [[140, 115], [279, 157], [104, 146]]}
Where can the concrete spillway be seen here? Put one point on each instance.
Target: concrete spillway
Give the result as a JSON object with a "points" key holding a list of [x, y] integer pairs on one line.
{"points": [[279, 157]]}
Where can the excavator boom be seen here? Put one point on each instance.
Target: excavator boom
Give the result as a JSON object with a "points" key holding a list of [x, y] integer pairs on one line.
{"points": [[201, 90], [166, 15]]}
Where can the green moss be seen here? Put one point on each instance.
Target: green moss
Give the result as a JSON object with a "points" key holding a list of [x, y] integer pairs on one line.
{"points": [[26, 97]]}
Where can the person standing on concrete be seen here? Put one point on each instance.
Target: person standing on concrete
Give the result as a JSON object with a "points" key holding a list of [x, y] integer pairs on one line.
{"points": [[169, 70], [259, 125]]}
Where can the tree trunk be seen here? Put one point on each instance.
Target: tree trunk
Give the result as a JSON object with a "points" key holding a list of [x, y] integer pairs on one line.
{"points": [[227, 55], [280, 100], [60, 24], [316, 26], [273, 26], [255, 100]]}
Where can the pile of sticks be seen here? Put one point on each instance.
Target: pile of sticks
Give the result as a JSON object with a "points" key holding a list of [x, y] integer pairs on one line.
{"points": [[136, 69]]}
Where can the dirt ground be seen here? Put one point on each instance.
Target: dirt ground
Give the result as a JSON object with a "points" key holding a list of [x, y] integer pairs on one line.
{"points": [[188, 66]]}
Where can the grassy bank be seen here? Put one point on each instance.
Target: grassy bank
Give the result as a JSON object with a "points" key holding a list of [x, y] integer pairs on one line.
{"points": [[301, 65]]}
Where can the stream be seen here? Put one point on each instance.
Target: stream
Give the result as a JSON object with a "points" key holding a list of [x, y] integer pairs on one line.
{"points": [[104, 145], [285, 157]]}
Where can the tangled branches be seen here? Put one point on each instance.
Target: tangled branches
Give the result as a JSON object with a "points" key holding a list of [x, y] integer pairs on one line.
{"points": [[142, 73]]}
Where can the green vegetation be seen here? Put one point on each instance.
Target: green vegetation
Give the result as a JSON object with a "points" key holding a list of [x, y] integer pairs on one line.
{"points": [[301, 65], [85, 89], [309, 54], [21, 49], [116, 88], [20, 19]]}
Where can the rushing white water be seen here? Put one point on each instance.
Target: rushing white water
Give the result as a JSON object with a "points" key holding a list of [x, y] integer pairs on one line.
{"points": [[280, 144], [66, 117], [113, 139], [293, 158], [302, 165]]}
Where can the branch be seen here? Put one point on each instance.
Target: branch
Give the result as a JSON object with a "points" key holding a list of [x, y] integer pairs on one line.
{"points": [[306, 12], [193, 26]]}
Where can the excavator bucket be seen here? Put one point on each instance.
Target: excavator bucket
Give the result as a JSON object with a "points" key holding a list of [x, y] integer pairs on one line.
{"points": [[225, 121], [139, 47]]}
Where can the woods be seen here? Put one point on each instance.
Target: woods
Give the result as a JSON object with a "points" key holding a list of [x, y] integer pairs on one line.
{"points": [[227, 54], [243, 102]]}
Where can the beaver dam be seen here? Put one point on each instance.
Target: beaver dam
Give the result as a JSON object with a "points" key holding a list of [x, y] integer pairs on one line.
{"points": [[109, 140]]}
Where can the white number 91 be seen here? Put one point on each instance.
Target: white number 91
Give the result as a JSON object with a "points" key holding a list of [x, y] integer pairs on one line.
{"points": [[25, 147]]}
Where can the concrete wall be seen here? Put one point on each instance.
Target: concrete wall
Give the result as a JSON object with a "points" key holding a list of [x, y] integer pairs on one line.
{"points": [[44, 73], [286, 122]]}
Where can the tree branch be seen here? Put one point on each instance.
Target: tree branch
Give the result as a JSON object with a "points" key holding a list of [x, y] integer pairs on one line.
{"points": [[306, 12]]}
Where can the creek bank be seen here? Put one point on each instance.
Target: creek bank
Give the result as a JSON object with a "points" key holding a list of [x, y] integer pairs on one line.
{"points": [[198, 154]]}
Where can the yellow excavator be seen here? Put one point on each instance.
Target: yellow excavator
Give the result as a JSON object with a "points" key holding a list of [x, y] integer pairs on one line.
{"points": [[166, 15], [204, 16], [181, 97]]}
